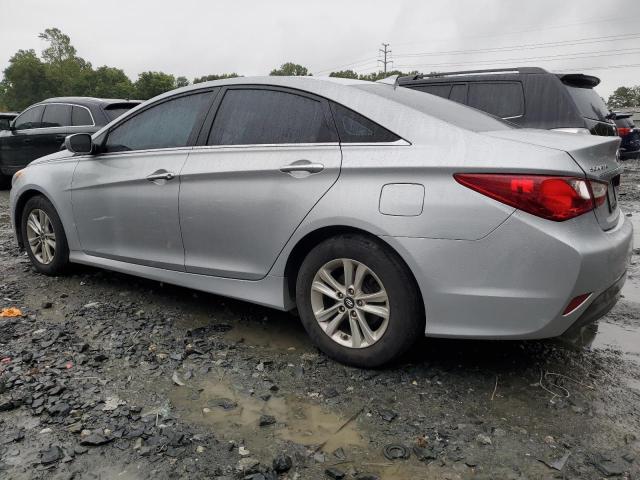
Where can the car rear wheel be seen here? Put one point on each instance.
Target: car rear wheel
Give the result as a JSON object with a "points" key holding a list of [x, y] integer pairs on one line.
{"points": [[43, 236], [358, 301]]}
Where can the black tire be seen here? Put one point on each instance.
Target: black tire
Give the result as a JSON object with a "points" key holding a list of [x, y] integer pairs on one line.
{"points": [[406, 318], [60, 260]]}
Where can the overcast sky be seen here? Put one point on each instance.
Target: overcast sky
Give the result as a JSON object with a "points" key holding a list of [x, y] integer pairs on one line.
{"points": [[250, 37]]}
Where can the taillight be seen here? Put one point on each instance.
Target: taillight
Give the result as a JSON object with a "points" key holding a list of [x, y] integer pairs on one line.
{"points": [[623, 131], [551, 197]]}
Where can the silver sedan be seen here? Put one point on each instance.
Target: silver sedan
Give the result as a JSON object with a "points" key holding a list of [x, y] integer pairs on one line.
{"points": [[381, 213]]}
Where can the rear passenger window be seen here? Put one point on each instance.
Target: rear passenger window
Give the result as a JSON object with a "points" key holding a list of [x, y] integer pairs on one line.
{"points": [[502, 99], [80, 116], [56, 116], [260, 116], [354, 128], [458, 93], [439, 90], [165, 125]]}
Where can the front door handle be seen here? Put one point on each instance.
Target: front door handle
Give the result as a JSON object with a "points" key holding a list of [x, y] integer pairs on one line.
{"points": [[161, 175], [302, 166]]}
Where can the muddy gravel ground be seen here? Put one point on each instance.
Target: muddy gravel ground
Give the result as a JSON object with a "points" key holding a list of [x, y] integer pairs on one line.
{"points": [[114, 377]]}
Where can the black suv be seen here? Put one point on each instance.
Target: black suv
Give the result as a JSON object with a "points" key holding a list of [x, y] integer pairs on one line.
{"points": [[529, 96], [630, 135], [41, 128]]}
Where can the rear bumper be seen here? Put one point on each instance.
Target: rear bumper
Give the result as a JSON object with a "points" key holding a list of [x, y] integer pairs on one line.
{"points": [[599, 307], [516, 282]]}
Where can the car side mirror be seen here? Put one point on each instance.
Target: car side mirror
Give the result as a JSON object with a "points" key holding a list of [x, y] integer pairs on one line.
{"points": [[79, 143]]}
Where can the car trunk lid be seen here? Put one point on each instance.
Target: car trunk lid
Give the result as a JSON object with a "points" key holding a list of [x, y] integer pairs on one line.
{"points": [[596, 156]]}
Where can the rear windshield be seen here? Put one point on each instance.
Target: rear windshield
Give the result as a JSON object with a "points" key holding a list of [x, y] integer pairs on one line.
{"points": [[589, 103], [115, 110], [445, 110]]}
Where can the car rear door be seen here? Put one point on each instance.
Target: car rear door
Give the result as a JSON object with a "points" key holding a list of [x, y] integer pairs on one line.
{"points": [[125, 199], [269, 156], [55, 127]]}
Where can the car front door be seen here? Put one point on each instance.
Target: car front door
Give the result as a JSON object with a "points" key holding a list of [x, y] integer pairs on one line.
{"points": [[20, 146], [268, 158], [125, 199]]}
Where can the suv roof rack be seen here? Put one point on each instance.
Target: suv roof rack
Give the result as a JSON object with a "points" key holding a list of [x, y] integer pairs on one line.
{"points": [[491, 70]]}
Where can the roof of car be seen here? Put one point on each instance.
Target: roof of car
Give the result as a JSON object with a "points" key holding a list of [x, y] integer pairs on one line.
{"points": [[88, 100]]}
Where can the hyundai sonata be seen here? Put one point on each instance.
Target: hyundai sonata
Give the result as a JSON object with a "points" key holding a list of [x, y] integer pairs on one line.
{"points": [[381, 213]]}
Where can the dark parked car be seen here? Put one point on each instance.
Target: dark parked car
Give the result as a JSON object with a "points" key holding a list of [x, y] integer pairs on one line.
{"points": [[5, 119], [530, 97], [41, 128], [630, 135]]}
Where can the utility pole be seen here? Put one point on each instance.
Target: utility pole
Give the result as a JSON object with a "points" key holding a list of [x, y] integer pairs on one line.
{"points": [[386, 52]]}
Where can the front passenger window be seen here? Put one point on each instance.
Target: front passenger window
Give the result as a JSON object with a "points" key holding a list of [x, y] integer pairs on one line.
{"points": [[165, 125], [31, 118]]}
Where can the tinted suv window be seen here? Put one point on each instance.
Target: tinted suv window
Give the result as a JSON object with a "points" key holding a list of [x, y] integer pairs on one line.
{"points": [[458, 93], [166, 125], [80, 116], [354, 128], [439, 90], [589, 103], [56, 115], [4, 123], [502, 99], [31, 118], [259, 116]]}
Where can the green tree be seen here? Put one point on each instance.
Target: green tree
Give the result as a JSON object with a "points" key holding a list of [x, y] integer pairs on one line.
{"points": [[182, 82], [344, 74], [221, 76], [374, 77], [150, 84], [59, 49], [290, 69], [625, 97], [24, 81], [110, 82]]}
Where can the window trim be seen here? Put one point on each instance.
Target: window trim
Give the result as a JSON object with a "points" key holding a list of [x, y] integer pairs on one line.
{"points": [[207, 126], [195, 131], [93, 124]]}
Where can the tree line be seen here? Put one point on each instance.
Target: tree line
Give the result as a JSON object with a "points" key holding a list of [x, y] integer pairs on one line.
{"points": [[59, 71]]}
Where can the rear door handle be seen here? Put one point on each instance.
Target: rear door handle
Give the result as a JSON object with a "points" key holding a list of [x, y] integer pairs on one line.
{"points": [[302, 166], [161, 175]]}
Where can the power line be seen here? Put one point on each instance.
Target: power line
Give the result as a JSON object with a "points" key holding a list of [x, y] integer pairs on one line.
{"points": [[569, 56], [526, 46], [368, 59]]}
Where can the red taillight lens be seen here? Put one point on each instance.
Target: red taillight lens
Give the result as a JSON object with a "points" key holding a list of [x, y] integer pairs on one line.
{"points": [[622, 131], [550, 197], [575, 303]]}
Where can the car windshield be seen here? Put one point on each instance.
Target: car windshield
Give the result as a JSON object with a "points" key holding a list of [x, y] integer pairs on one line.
{"points": [[445, 110], [589, 103]]}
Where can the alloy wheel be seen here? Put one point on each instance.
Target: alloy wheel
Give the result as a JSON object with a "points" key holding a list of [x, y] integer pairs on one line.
{"points": [[41, 237], [350, 303]]}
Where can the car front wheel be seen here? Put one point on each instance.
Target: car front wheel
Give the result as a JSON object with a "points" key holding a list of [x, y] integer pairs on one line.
{"points": [[43, 236], [358, 301]]}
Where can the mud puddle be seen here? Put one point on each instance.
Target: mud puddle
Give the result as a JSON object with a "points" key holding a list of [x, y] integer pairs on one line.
{"points": [[235, 415], [618, 337]]}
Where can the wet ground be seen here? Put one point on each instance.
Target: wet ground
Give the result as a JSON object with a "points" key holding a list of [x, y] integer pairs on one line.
{"points": [[110, 376]]}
